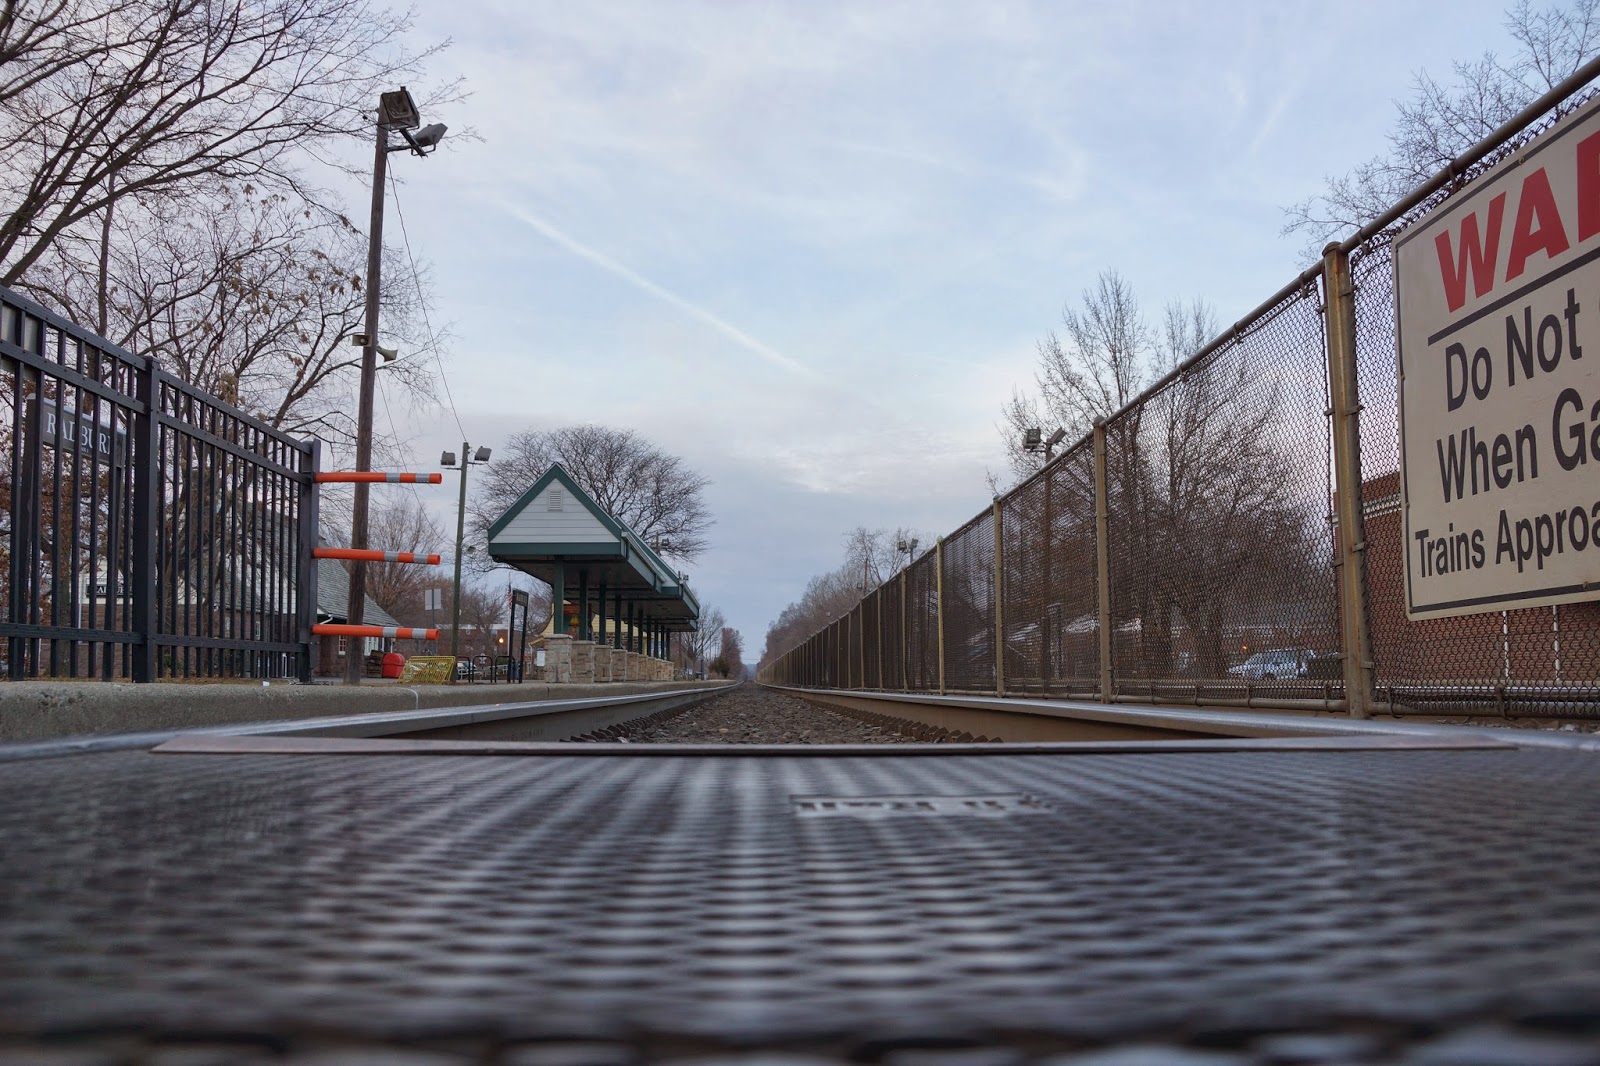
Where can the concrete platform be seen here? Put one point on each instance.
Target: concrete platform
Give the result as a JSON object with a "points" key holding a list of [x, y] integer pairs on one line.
{"points": [[43, 710]]}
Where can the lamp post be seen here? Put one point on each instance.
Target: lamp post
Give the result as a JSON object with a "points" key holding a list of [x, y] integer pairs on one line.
{"points": [[396, 111], [1034, 440], [467, 459]]}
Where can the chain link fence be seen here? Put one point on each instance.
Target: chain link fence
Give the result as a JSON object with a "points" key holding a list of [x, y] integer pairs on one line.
{"points": [[1203, 560]]}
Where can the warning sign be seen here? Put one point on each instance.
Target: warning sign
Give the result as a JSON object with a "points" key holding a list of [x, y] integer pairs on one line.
{"points": [[1498, 307]]}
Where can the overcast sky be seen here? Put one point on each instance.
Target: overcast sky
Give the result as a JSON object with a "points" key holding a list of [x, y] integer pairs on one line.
{"points": [[809, 247]]}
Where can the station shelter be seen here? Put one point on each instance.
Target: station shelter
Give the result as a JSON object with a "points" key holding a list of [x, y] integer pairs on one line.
{"points": [[616, 602]]}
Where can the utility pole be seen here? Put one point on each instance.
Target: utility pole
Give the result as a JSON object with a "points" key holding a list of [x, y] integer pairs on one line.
{"points": [[467, 459], [461, 530], [355, 610], [396, 111]]}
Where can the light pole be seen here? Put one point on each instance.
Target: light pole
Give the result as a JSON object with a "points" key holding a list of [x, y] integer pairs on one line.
{"points": [[467, 459], [396, 111], [1033, 440]]}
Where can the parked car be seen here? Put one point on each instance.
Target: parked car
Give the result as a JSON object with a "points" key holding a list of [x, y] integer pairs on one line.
{"points": [[466, 670], [1274, 664]]}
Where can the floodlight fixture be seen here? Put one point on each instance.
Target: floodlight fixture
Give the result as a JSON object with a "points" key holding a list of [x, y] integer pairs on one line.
{"points": [[397, 111], [447, 458], [423, 141], [1034, 440], [430, 135], [482, 456]]}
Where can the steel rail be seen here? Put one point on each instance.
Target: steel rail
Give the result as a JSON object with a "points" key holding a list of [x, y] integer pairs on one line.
{"points": [[1013, 719]]}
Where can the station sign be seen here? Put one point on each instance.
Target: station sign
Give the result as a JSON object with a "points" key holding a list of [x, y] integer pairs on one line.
{"points": [[79, 432], [1497, 298]]}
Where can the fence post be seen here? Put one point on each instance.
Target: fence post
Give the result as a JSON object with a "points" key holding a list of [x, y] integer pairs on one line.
{"points": [[878, 593], [999, 604], [861, 645], [146, 507], [1102, 553], [938, 603], [1339, 321], [905, 636], [306, 605]]}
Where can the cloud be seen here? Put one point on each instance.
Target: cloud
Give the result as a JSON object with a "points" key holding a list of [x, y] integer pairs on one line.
{"points": [[639, 281]]}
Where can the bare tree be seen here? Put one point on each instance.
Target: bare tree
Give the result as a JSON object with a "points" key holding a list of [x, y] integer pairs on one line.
{"points": [[697, 647], [653, 493], [482, 612], [1099, 362], [252, 297], [155, 186], [730, 657], [872, 556], [1441, 119], [103, 101], [402, 523]]}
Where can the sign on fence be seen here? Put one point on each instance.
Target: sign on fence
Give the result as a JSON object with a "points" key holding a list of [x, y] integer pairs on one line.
{"points": [[79, 431], [1498, 305]]}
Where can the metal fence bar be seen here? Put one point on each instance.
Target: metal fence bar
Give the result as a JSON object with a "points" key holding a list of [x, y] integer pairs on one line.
{"points": [[938, 562], [1102, 554], [154, 529], [1349, 522], [999, 603]]}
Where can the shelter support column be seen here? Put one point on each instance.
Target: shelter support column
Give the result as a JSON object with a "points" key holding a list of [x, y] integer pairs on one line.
{"points": [[558, 598]]}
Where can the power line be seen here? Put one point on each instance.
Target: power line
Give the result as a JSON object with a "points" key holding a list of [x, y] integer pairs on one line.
{"points": [[422, 302]]}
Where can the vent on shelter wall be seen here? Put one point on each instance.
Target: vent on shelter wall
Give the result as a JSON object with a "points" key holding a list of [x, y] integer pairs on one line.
{"points": [[554, 500], [981, 806]]}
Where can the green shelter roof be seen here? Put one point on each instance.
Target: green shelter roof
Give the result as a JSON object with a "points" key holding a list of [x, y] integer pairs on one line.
{"points": [[555, 525]]}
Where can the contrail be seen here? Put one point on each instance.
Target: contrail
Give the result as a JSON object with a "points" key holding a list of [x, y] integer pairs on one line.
{"points": [[604, 262]]}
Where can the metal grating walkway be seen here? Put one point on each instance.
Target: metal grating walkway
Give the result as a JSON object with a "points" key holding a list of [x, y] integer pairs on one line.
{"points": [[1213, 902]]}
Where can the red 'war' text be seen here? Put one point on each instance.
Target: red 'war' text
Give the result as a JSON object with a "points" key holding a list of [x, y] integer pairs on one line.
{"points": [[1471, 255]]}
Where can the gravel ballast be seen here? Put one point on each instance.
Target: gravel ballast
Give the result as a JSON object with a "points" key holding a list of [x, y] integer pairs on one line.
{"points": [[753, 715]]}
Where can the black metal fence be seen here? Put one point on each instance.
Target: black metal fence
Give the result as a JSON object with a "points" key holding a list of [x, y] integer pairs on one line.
{"points": [[1230, 537], [154, 531]]}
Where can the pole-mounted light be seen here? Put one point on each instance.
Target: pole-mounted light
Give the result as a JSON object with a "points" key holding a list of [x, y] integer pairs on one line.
{"points": [[397, 111], [468, 458]]}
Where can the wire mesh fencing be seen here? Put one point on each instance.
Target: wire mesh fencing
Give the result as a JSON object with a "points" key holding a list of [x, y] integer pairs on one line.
{"points": [[1237, 534], [1535, 661], [1219, 503]]}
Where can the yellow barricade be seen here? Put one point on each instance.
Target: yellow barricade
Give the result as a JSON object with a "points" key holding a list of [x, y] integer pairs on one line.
{"points": [[428, 670]]}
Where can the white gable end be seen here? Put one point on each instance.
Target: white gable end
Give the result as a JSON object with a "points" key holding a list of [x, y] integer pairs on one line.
{"points": [[554, 516]]}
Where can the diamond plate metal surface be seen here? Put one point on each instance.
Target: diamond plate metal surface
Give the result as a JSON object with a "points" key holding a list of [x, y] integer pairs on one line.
{"points": [[1214, 901]]}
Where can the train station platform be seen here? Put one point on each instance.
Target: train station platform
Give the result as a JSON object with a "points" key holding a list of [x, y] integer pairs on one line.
{"points": [[44, 710]]}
